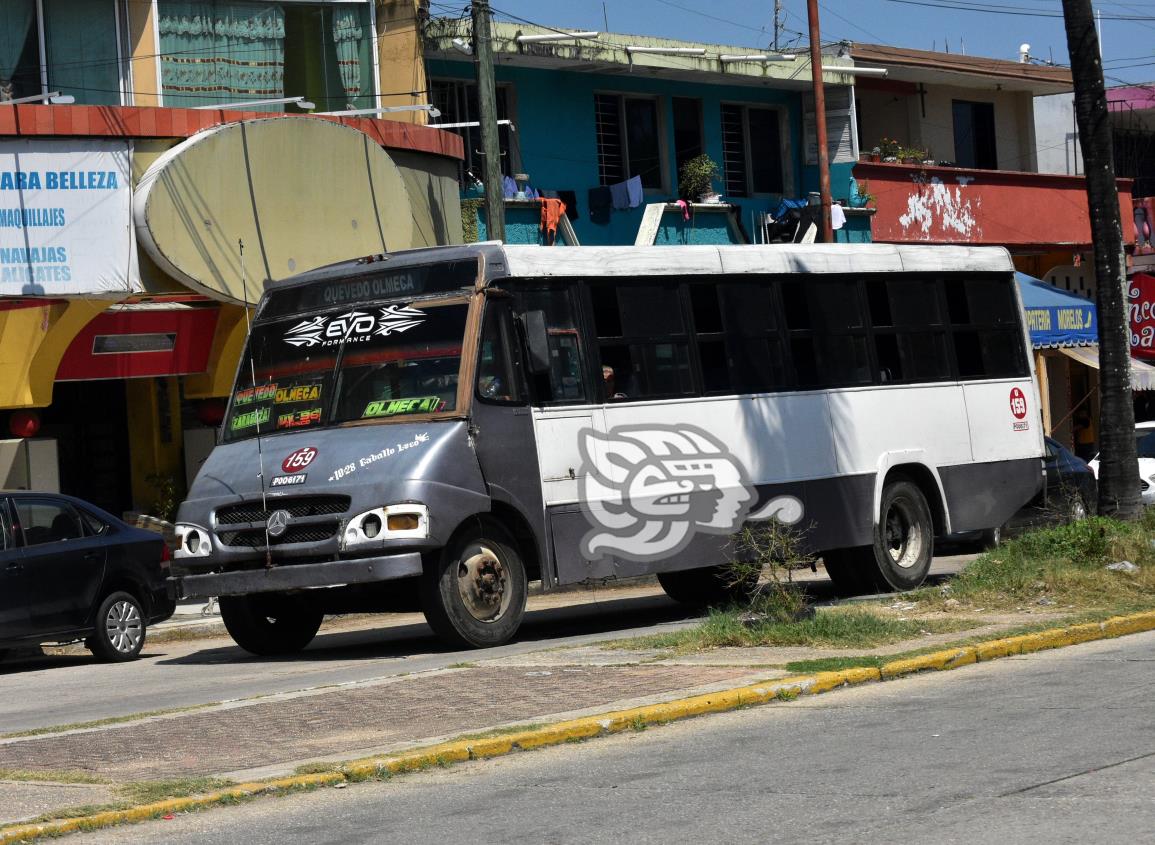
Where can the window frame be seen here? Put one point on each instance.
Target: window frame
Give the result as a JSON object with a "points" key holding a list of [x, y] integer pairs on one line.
{"points": [[63, 504], [660, 122], [747, 149], [123, 60], [971, 107], [459, 88], [511, 341]]}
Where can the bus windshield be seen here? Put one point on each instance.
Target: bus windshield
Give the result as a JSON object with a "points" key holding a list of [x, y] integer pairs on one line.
{"points": [[366, 363]]}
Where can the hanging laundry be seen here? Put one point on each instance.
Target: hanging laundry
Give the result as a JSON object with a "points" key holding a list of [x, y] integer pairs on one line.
{"points": [[601, 201], [685, 206], [837, 217], [551, 212], [620, 193], [635, 192]]}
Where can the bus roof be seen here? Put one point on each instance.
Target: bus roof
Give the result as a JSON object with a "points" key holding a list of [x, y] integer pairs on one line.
{"points": [[501, 260]]}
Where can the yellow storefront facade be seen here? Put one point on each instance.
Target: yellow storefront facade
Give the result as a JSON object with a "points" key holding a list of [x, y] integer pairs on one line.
{"points": [[136, 225]]}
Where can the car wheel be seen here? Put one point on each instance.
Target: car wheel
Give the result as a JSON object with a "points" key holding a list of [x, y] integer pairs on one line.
{"points": [[270, 624], [710, 585], [992, 538], [120, 628], [473, 594], [1076, 509]]}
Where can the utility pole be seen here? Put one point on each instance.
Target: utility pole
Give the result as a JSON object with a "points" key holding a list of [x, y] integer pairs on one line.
{"points": [[487, 106], [777, 23], [1118, 463], [820, 119]]}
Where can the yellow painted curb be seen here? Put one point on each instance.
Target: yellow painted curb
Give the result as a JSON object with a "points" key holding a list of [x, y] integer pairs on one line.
{"points": [[576, 730]]}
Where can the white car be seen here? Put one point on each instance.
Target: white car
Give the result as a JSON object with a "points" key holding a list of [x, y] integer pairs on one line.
{"points": [[1145, 445]]}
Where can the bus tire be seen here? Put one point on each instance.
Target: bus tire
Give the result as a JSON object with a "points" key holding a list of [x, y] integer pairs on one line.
{"points": [[270, 624], [473, 594], [710, 585], [903, 539]]}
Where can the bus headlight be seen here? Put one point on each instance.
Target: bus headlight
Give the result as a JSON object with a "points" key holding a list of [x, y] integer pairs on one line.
{"points": [[192, 541], [392, 522]]}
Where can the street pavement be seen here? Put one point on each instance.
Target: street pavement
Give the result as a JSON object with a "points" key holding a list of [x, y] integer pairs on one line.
{"points": [[1053, 747], [64, 689]]}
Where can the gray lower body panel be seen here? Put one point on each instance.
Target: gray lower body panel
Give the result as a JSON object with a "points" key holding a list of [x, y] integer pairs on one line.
{"points": [[838, 513], [296, 576]]}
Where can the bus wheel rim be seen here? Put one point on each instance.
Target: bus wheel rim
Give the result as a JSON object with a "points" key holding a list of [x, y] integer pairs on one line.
{"points": [[903, 535], [483, 584]]}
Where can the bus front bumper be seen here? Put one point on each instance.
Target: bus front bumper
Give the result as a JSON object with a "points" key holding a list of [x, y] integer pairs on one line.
{"points": [[295, 576]]}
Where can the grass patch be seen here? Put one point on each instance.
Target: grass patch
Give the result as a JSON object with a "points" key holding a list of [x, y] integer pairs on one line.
{"points": [[145, 792], [839, 627], [98, 723], [1063, 566], [58, 776], [836, 664]]}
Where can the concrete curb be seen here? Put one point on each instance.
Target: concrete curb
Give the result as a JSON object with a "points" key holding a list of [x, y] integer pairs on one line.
{"points": [[576, 730]]}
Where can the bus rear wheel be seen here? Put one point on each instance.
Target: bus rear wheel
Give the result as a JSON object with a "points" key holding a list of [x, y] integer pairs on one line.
{"points": [[903, 539], [270, 624], [710, 585], [473, 595]]}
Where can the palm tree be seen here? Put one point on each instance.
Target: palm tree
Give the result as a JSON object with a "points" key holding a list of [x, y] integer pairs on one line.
{"points": [[1118, 463]]}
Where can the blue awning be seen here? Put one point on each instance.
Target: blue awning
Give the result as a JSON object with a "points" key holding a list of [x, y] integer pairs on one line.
{"points": [[1055, 317]]}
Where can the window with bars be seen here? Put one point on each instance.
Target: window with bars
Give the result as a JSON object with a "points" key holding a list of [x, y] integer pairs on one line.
{"points": [[457, 102], [629, 140], [752, 150]]}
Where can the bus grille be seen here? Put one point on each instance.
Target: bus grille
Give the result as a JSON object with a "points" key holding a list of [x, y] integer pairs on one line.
{"points": [[297, 507], [254, 538]]}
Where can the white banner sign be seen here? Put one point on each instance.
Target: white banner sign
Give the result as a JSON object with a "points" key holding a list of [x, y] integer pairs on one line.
{"points": [[66, 218]]}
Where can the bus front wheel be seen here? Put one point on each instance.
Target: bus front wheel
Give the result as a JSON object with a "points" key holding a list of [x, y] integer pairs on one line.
{"points": [[473, 595], [270, 623]]}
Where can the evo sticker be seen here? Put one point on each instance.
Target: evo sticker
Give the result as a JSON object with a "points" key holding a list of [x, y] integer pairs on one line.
{"points": [[393, 407], [1019, 410], [354, 326], [299, 459], [288, 480]]}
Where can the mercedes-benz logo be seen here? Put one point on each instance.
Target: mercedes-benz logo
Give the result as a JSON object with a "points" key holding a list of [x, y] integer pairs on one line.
{"points": [[278, 523]]}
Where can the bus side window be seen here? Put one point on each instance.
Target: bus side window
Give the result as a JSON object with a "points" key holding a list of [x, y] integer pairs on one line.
{"points": [[907, 318], [499, 359], [736, 326], [827, 332], [565, 383], [985, 322], [642, 340]]}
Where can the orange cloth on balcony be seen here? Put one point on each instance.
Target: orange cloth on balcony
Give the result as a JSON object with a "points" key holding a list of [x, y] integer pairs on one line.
{"points": [[551, 211]]}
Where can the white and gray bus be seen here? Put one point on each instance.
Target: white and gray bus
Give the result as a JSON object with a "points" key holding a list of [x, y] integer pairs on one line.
{"points": [[443, 426]]}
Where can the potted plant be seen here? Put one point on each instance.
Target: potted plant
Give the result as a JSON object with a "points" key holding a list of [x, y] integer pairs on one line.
{"points": [[911, 155], [860, 195], [889, 149], [696, 178]]}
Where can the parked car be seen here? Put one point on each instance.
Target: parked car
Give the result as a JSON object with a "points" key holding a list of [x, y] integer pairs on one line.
{"points": [[1069, 493], [69, 571], [1145, 446]]}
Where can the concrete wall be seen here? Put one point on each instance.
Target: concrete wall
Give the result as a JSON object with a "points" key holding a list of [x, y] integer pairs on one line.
{"points": [[556, 146], [1056, 137], [1013, 140]]}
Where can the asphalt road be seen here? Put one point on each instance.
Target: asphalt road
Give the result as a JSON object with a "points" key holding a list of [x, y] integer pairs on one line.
{"points": [[1054, 747], [67, 689]]}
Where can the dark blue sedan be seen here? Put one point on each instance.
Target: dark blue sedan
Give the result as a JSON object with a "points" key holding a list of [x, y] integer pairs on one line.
{"points": [[69, 571]]}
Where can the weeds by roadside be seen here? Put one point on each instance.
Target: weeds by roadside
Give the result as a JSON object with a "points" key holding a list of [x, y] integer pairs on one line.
{"points": [[1064, 566]]}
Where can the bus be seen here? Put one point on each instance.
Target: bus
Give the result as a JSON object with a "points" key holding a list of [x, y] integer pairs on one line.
{"points": [[442, 426]]}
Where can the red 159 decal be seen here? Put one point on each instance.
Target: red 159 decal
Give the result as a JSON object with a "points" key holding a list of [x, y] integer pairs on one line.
{"points": [[1018, 403], [300, 459]]}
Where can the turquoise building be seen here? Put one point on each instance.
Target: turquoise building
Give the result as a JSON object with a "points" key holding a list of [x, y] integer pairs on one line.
{"points": [[599, 109]]}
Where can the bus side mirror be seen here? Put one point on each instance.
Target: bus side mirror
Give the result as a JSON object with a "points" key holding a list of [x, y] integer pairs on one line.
{"points": [[536, 341]]}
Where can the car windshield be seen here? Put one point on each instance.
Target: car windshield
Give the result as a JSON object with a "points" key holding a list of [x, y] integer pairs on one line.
{"points": [[1145, 443], [348, 364]]}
